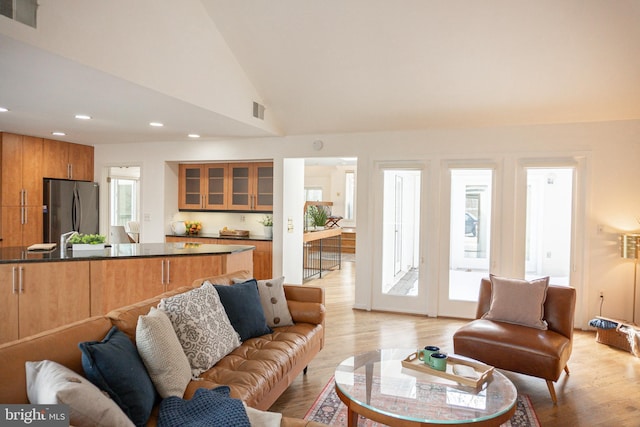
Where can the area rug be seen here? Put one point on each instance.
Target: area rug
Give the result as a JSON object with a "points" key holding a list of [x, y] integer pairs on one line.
{"points": [[329, 409]]}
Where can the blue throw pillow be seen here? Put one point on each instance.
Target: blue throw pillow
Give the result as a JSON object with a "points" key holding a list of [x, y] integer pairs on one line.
{"points": [[207, 408], [242, 304], [114, 366]]}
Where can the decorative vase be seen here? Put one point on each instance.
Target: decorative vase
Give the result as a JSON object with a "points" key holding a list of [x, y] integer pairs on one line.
{"points": [[268, 232], [179, 228]]}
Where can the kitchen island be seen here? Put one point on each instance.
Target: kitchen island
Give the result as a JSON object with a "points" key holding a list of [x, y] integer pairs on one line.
{"points": [[44, 289], [262, 255]]}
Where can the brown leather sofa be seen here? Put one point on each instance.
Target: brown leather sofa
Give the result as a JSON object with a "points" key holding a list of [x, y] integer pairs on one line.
{"points": [[271, 371], [539, 353]]}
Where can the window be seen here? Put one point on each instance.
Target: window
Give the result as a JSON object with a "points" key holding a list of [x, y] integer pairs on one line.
{"points": [[349, 195], [313, 194]]}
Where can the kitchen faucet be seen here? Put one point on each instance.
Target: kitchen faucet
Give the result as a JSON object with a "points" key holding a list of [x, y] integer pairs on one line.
{"points": [[64, 238]]}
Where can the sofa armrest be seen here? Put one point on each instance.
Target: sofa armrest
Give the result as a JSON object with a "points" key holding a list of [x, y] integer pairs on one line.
{"points": [[304, 293], [307, 312]]}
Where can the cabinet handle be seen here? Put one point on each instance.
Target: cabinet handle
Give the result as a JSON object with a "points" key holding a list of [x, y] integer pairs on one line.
{"points": [[26, 216], [13, 276], [168, 272], [162, 270], [70, 170], [26, 198], [21, 271]]}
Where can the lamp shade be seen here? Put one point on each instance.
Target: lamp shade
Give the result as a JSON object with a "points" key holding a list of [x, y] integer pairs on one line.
{"points": [[629, 245]]}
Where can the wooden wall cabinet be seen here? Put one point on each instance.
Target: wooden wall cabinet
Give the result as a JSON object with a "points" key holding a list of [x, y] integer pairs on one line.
{"points": [[251, 186], [40, 296], [22, 158], [226, 186], [203, 186], [66, 160]]}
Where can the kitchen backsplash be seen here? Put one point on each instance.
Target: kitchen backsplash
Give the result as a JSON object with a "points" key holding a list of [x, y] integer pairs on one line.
{"points": [[213, 222]]}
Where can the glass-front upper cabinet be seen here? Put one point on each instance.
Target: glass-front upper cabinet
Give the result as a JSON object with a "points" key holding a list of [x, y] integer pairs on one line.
{"points": [[226, 186], [251, 186], [203, 186]]}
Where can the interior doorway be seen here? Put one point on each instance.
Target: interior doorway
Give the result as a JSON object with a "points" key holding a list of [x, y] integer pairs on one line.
{"points": [[124, 203]]}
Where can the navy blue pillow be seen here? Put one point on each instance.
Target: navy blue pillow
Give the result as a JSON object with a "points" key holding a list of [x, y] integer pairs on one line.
{"points": [[114, 366], [207, 408], [242, 304]]}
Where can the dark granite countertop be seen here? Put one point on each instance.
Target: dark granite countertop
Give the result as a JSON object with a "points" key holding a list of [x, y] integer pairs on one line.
{"points": [[121, 250], [217, 236]]}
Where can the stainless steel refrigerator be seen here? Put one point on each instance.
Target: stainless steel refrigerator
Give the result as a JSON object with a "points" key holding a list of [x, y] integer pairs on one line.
{"points": [[69, 206]]}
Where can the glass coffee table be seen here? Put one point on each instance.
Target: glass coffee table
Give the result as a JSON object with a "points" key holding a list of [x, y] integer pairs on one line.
{"points": [[376, 386]]}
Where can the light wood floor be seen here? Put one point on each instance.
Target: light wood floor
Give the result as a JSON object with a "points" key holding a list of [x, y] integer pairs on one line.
{"points": [[602, 390]]}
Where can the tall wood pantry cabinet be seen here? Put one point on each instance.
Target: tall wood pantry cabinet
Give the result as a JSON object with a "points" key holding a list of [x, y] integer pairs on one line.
{"points": [[25, 161], [22, 158]]}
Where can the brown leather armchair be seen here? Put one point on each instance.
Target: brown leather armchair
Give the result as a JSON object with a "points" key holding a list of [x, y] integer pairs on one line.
{"points": [[539, 353]]}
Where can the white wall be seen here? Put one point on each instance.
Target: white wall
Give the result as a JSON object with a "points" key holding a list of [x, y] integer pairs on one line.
{"points": [[611, 149]]}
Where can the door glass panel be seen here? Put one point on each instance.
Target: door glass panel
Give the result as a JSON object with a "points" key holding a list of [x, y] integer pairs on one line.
{"points": [[401, 232], [470, 233], [549, 224]]}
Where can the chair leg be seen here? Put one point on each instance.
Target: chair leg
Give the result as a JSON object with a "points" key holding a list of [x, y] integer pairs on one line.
{"points": [[566, 369], [304, 371], [552, 391]]}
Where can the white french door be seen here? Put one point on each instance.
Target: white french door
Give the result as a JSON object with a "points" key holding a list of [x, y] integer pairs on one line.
{"points": [[398, 267], [467, 207]]}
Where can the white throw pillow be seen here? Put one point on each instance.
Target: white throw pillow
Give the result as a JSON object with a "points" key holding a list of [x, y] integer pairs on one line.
{"points": [[162, 354], [50, 383], [202, 326], [273, 301], [259, 418]]}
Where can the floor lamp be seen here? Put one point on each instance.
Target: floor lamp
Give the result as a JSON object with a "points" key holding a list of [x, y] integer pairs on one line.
{"points": [[630, 250]]}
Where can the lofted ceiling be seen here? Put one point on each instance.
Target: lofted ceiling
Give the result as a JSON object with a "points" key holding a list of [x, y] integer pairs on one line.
{"points": [[340, 66]]}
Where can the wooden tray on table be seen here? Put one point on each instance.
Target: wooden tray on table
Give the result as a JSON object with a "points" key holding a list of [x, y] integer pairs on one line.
{"points": [[461, 370]]}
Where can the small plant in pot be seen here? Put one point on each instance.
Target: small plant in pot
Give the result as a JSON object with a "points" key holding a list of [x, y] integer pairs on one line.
{"points": [[267, 222], [87, 241], [318, 216]]}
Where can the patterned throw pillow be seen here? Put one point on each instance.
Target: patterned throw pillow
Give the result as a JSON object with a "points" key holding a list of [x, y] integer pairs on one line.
{"points": [[202, 326], [162, 354]]}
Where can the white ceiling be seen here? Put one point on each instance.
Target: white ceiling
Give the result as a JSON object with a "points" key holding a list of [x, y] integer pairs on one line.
{"points": [[361, 65]]}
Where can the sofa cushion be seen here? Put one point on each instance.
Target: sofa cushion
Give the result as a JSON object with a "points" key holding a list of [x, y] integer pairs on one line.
{"points": [[242, 304], [274, 302], [518, 301], [50, 383], [114, 365], [162, 354], [208, 407], [202, 326]]}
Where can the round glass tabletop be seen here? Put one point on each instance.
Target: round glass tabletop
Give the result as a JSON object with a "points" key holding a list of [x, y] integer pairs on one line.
{"points": [[376, 383]]}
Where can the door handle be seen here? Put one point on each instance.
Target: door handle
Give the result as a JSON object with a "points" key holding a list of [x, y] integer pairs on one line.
{"points": [[20, 277], [13, 281]]}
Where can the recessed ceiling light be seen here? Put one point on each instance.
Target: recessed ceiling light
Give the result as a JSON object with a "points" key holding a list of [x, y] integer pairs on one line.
{"points": [[156, 124], [3, 110], [58, 133], [83, 117], [193, 135]]}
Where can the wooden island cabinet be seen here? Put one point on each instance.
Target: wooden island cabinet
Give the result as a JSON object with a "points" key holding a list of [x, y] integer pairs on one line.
{"points": [[262, 255], [44, 290], [42, 295]]}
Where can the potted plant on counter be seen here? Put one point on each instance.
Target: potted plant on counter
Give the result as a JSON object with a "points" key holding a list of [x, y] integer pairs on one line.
{"points": [[267, 223], [318, 217], [86, 242]]}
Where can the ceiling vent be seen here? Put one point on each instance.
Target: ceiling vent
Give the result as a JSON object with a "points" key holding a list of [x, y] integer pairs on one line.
{"points": [[23, 11], [258, 111]]}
